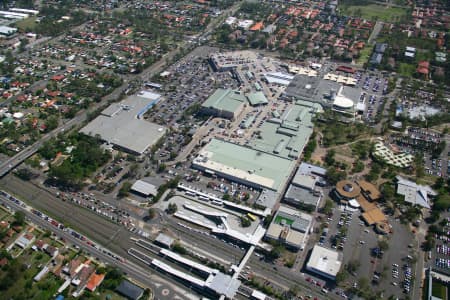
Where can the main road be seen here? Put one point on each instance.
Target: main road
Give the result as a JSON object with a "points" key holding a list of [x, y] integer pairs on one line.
{"points": [[117, 239], [107, 234], [12, 162]]}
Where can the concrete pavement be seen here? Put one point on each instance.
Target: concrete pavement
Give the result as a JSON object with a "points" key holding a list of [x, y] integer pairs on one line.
{"points": [[118, 244]]}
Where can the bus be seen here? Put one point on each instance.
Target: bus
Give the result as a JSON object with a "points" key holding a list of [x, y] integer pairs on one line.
{"points": [[251, 217]]}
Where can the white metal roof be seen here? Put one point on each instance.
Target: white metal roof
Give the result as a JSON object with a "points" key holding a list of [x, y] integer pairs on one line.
{"points": [[324, 260], [343, 102], [144, 188]]}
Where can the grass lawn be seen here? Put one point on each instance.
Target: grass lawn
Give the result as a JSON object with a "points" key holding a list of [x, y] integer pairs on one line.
{"points": [[439, 290], [28, 23], [406, 70], [374, 11], [28, 265], [3, 214], [364, 55]]}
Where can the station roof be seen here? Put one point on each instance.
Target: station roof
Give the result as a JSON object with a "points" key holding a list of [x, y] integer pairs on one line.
{"points": [[225, 99], [224, 284], [164, 240]]}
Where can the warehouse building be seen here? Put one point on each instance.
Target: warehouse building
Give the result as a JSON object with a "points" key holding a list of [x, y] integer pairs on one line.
{"points": [[121, 124], [324, 262], [290, 227], [224, 103]]}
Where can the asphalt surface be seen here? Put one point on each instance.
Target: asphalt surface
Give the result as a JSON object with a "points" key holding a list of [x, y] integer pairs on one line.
{"points": [[156, 68], [107, 234], [117, 239], [279, 275]]}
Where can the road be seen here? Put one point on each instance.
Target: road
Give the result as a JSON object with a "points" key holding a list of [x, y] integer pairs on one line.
{"points": [[376, 30], [101, 230], [279, 275], [104, 232], [156, 68]]}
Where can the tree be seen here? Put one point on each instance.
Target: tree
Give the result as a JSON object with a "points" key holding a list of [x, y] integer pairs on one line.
{"points": [[329, 157], [172, 208], [113, 278], [353, 266], [275, 252], [383, 244], [334, 175], [124, 190], [341, 276], [19, 218], [161, 168], [267, 220], [151, 213], [358, 167], [177, 247], [245, 222], [51, 123], [328, 207], [24, 174]]}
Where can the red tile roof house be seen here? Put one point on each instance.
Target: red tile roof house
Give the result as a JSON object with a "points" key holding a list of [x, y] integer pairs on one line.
{"points": [[3, 262], [58, 77], [94, 281], [423, 68], [4, 225]]}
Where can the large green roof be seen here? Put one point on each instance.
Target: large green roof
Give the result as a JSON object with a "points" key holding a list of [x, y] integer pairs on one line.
{"points": [[241, 161], [287, 135], [257, 98], [225, 99]]}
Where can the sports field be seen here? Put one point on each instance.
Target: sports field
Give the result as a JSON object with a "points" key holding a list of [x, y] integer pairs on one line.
{"points": [[287, 221], [374, 12]]}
